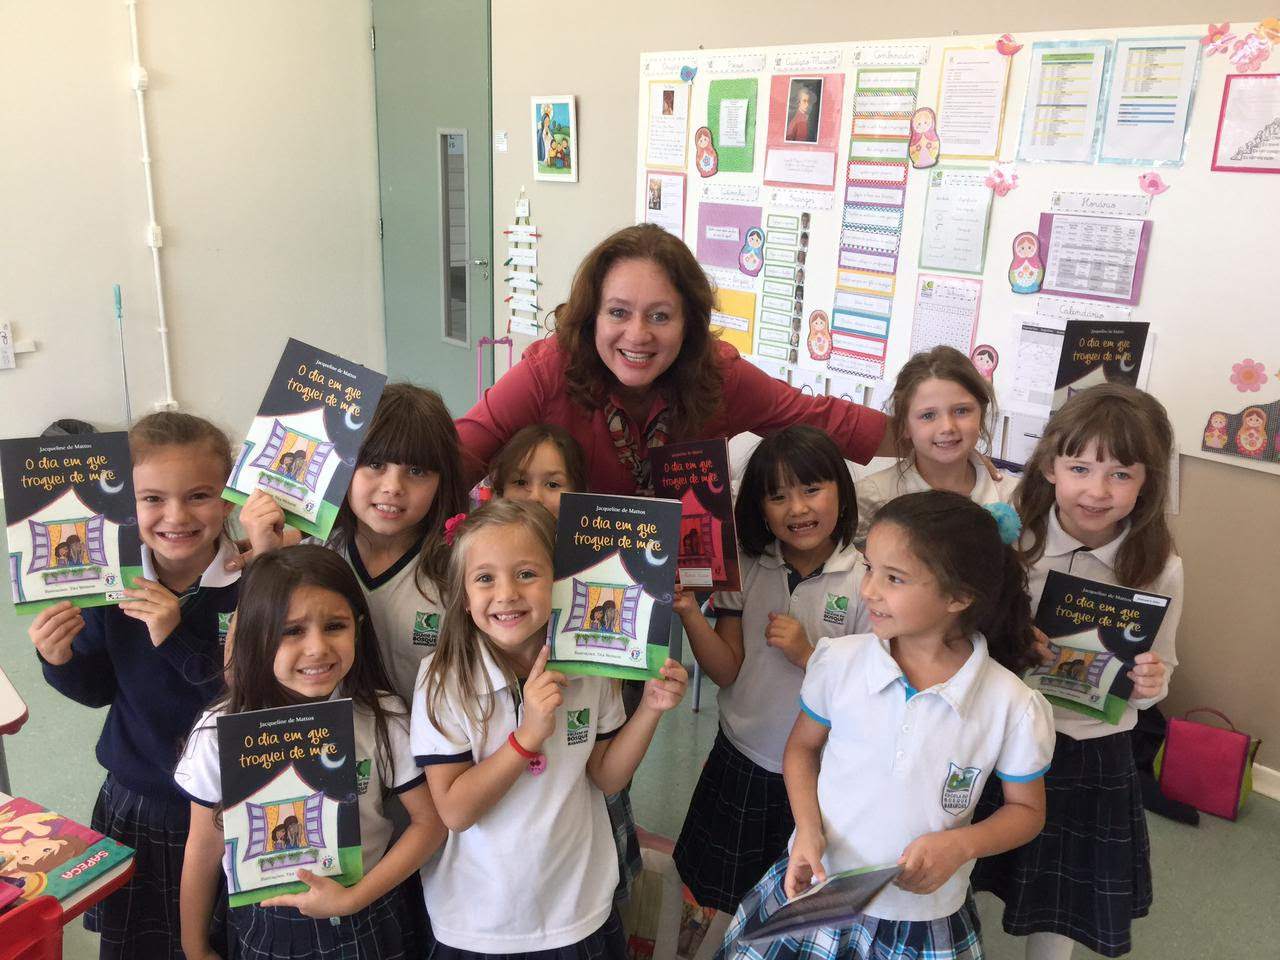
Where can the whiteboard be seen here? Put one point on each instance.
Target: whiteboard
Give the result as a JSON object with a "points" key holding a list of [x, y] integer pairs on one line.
{"points": [[1211, 269]]}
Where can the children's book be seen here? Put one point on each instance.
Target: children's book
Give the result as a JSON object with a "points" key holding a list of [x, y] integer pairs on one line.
{"points": [[72, 519], [301, 448], [290, 788], [697, 474], [615, 570], [832, 903], [1095, 352], [46, 853], [1095, 631]]}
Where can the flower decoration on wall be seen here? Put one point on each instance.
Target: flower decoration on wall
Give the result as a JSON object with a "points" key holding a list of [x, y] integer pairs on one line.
{"points": [[1248, 375], [1001, 180], [1269, 29], [1218, 39], [1248, 54]]}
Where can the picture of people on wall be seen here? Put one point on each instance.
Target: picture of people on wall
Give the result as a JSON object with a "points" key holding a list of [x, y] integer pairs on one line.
{"points": [[804, 110]]}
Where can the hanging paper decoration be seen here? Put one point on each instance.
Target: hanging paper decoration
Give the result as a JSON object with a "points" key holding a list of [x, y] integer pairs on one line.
{"points": [[1026, 272], [1218, 39], [924, 146], [1002, 180], [1248, 375], [688, 73], [1007, 46], [1252, 433], [1152, 183], [1248, 54]]}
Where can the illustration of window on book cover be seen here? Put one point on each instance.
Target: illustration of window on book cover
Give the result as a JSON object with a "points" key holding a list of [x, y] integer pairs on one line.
{"points": [[1082, 669], [604, 614], [294, 459], [66, 551], [701, 543], [284, 825]]}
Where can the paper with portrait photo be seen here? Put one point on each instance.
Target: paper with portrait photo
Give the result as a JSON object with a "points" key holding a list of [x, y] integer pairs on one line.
{"points": [[668, 138], [664, 200], [803, 130]]}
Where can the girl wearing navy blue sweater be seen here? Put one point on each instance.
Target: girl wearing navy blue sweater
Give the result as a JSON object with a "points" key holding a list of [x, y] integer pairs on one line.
{"points": [[156, 662]]}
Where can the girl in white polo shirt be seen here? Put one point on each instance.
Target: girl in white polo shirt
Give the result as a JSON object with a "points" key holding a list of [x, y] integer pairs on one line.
{"points": [[1093, 500], [939, 413], [795, 515], [899, 730], [519, 757]]}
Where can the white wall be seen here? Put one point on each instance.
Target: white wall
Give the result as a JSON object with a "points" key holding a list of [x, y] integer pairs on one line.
{"points": [[263, 141]]}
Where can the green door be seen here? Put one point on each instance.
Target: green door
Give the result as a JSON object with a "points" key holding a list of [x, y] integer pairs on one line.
{"points": [[431, 70]]}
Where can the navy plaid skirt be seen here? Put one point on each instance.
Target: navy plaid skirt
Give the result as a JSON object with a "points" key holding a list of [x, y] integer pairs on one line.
{"points": [[1087, 875], [140, 921], [622, 821], [381, 931], [607, 943], [957, 937], [738, 825]]}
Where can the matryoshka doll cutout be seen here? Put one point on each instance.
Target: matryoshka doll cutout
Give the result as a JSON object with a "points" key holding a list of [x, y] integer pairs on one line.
{"points": [[751, 258], [819, 339], [985, 359], [1026, 272], [1215, 434], [705, 157], [1251, 438], [924, 146]]}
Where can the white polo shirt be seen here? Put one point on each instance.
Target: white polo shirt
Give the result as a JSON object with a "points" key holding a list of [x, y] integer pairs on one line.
{"points": [[406, 618], [758, 710], [538, 870], [901, 763], [199, 777], [879, 488], [1066, 554]]}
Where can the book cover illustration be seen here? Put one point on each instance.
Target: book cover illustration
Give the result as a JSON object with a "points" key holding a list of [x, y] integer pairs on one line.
{"points": [[46, 853], [832, 903], [697, 474], [1095, 352], [615, 574], [290, 787], [1095, 630], [72, 520], [301, 448]]}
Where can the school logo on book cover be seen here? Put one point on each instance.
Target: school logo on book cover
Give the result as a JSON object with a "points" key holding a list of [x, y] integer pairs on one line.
{"points": [[957, 790], [578, 725], [362, 775], [224, 626], [836, 609], [426, 629]]}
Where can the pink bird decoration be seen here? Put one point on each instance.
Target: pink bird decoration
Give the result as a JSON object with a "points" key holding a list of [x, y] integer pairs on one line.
{"points": [[1151, 183], [1007, 46]]}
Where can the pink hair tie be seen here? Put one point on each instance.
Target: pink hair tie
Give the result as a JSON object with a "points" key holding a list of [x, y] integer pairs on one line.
{"points": [[451, 526]]}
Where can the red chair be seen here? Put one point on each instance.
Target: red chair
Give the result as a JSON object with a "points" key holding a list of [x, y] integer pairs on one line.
{"points": [[32, 931]]}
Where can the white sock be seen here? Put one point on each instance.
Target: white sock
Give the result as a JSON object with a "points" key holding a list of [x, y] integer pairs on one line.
{"points": [[1049, 946]]}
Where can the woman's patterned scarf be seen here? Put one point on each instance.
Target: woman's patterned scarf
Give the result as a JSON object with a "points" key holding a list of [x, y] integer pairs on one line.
{"points": [[656, 434]]}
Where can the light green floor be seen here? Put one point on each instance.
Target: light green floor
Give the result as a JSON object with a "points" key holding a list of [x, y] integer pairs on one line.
{"points": [[1217, 886]]}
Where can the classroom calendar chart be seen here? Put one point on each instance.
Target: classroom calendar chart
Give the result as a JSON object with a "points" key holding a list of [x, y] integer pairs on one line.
{"points": [[946, 313]]}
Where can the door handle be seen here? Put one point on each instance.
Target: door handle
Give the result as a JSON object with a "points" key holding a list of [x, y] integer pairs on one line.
{"points": [[479, 263]]}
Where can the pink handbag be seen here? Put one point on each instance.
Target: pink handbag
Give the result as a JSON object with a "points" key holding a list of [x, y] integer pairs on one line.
{"points": [[1207, 766]]}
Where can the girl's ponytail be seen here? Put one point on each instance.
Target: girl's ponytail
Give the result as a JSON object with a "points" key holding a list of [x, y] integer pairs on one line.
{"points": [[1007, 625]]}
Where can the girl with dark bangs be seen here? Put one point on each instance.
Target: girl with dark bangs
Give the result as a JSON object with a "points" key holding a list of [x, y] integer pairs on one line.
{"points": [[1093, 503], [304, 633], [633, 364], [390, 527], [796, 514]]}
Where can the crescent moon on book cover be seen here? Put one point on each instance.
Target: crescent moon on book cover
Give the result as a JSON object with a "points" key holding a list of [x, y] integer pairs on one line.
{"points": [[1126, 362], [648, 555], [108, 488], [333, 763], [715, 486], [350, 424], [1131, 636]]}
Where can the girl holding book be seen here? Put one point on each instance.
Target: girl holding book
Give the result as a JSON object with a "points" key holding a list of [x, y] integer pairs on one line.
{"points": [[900, 728], [1093, 501], [795, 516], [304, 633], [518, 757], [390, 527]]}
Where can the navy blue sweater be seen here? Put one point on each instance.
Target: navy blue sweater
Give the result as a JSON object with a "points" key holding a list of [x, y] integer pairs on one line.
{"points": [[154, 693]]}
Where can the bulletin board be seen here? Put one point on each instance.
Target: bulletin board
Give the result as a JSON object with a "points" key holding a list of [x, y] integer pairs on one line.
{"points": [[856, 202]]}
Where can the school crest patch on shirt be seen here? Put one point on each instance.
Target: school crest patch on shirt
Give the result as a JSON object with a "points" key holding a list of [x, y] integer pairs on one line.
{"points": [[363, 767], [426, 629], [836, 609], [577, 725], [957, 789], [224, 626]]}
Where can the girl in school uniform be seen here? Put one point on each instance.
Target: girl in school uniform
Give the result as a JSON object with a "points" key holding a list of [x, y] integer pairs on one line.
{"points": [[795, 515], [940, 403], [900, 728], [390, 527], [156, 662], [1093, 500], [304, 633], [518, 757], [538, 463]]}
